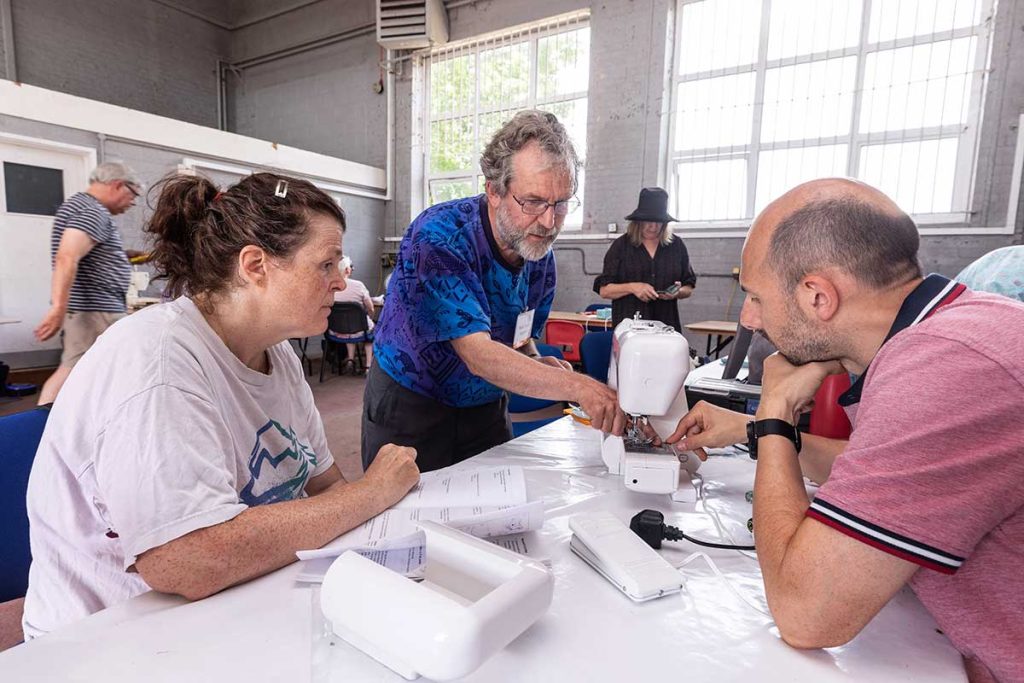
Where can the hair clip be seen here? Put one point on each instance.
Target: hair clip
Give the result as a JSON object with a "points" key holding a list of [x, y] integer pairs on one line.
{"points": [[282, 189], [220, 193]]}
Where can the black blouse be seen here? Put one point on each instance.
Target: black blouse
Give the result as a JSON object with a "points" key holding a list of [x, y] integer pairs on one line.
{"points": [[626, 262]]}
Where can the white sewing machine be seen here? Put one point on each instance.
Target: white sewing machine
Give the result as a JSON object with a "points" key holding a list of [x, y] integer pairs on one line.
{"points": [[649, 364], [136, 285]]}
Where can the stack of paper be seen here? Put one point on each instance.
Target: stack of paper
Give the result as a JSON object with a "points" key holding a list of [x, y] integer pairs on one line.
{"points": [[487, 502]]}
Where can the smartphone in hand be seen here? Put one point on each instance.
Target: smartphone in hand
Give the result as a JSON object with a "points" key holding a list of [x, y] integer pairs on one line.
{"points": [[669, 291]]}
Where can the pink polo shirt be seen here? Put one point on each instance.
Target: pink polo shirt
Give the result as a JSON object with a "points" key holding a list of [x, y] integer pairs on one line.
{"points": [[934, 471]]}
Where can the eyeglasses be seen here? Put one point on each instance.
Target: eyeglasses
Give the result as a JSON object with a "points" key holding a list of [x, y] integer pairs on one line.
{"points": [[131, 188], [536, 207]]}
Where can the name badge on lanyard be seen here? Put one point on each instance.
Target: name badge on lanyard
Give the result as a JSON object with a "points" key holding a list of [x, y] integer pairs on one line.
{"points": [[524, 328]]}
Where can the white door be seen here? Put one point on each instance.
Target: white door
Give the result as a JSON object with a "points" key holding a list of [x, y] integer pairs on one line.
{"points": [[30, 171]]}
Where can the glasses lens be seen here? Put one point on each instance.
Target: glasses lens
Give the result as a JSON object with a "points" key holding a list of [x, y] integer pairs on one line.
{"points": [[534, 207], [566, 207]]}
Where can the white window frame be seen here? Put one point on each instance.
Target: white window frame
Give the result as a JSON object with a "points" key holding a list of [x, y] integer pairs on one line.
{"points": [[955, 223], [530, 33]]}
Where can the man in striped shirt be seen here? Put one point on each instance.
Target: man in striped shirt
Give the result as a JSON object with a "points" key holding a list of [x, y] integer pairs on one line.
{"points": [[90, 267], [929, 490]]}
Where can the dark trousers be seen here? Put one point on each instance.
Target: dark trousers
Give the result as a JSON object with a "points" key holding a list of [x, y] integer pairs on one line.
{"points": [[442, 435]]}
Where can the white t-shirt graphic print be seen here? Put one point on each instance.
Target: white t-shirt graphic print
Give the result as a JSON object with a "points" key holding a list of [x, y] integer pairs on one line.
{"points": [[159, 431]]}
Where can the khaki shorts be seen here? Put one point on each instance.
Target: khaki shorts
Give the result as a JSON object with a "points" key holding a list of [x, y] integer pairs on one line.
{"points": [[81, 329]]}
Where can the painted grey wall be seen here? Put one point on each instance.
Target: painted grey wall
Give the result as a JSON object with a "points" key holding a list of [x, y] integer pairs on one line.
{"points": [[323, 101], [138, 54]]}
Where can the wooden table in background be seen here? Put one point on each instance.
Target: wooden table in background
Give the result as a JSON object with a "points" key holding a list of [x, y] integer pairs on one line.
{"points": [[590, 322], [723, 330]]}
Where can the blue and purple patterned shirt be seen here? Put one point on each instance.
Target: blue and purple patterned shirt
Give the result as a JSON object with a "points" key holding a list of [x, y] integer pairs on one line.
{"points": [[450, 281]]}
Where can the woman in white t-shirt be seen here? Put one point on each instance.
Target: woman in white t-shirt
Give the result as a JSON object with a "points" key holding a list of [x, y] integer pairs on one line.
{"points": [[355, 292], [185, 453]]}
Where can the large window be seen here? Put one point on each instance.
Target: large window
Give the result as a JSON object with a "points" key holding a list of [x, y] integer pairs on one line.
{"points": [[471, 88], [769, 93]]}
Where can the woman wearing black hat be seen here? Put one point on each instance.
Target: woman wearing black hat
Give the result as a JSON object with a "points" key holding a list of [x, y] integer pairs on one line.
{"points": [[647, 270]]}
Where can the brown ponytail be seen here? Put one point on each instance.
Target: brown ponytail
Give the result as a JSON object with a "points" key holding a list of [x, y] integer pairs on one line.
{"points": [[198, 231]]}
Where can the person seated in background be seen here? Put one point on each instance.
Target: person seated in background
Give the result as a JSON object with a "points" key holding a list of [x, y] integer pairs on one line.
{"points": [[647, 270], [186, 454], [1000, 272], [355, 292], [929, 490]]}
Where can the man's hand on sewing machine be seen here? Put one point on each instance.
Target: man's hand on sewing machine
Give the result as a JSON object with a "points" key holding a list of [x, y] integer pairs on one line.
{"points": [[601, 404], [709, 426], [555, 362], [787, 390]]}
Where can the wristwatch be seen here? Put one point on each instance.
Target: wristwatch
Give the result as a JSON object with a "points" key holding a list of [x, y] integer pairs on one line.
{"points": [[759, 428]]}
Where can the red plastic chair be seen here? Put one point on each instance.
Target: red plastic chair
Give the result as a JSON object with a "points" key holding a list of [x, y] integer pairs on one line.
{"points": [[828, 418], [566, 335]]}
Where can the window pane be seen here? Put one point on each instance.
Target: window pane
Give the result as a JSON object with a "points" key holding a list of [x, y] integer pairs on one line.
{"points": [[780, 170], [573, 115], [33, 189], [451, 144], [919, 176], [489, 125], [715, 112], [890, 20], [452, 85], [446, 190], [799, 27], [718, 33], [711, 190], [810, 100], [563, 64], [918, 86], [505, 76]]}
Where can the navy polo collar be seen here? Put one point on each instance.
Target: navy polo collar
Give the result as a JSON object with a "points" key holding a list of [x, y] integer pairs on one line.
{"points": [[931, 294]]}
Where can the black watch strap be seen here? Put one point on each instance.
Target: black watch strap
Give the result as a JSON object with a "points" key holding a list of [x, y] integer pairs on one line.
{"points": [[771, 426]]}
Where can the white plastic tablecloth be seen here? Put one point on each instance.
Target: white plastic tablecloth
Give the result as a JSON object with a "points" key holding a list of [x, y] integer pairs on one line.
{"points": [[271, 629]]}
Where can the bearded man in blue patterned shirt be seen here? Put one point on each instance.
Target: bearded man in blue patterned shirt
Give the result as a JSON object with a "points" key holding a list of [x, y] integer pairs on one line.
{"points": [[470, 294]]}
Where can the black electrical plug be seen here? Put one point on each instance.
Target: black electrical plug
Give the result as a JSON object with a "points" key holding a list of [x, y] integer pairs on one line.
{"points": [[650, 526]]}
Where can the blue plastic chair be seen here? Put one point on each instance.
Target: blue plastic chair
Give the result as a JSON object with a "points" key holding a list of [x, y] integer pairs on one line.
{"points": [[596, 349], [526, 404], [596, 307], [19, 436]]}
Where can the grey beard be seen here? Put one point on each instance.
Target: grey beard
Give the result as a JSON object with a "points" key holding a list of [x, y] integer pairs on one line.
{"points": [[516, 240]]}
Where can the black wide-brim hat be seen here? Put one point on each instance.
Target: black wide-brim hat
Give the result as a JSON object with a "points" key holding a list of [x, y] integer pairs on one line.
{"points": [[653, 207]]}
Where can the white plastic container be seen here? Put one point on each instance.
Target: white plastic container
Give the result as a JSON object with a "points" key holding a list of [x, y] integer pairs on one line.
{"points": [[475, 599]]}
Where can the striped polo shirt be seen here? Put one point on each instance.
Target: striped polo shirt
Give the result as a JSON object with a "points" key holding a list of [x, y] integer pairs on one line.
{"points": [[101, 282], [933, 472]]}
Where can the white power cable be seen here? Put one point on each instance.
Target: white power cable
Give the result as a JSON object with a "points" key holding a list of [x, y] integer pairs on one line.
{"points": [[723, 532], [724, 578]]}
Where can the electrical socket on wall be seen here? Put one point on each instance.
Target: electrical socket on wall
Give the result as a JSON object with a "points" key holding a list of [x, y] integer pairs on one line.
{"points": [[613, 227]]}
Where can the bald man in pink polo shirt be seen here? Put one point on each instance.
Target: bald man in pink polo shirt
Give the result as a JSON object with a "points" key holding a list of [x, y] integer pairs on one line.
{"points": [[929, 490]]}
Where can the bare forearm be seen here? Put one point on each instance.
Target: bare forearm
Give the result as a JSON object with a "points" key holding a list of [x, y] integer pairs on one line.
{"points": [[258, 541], [616, 291], [64, 270], [780, 503], [513, 371], [685, 292]]}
